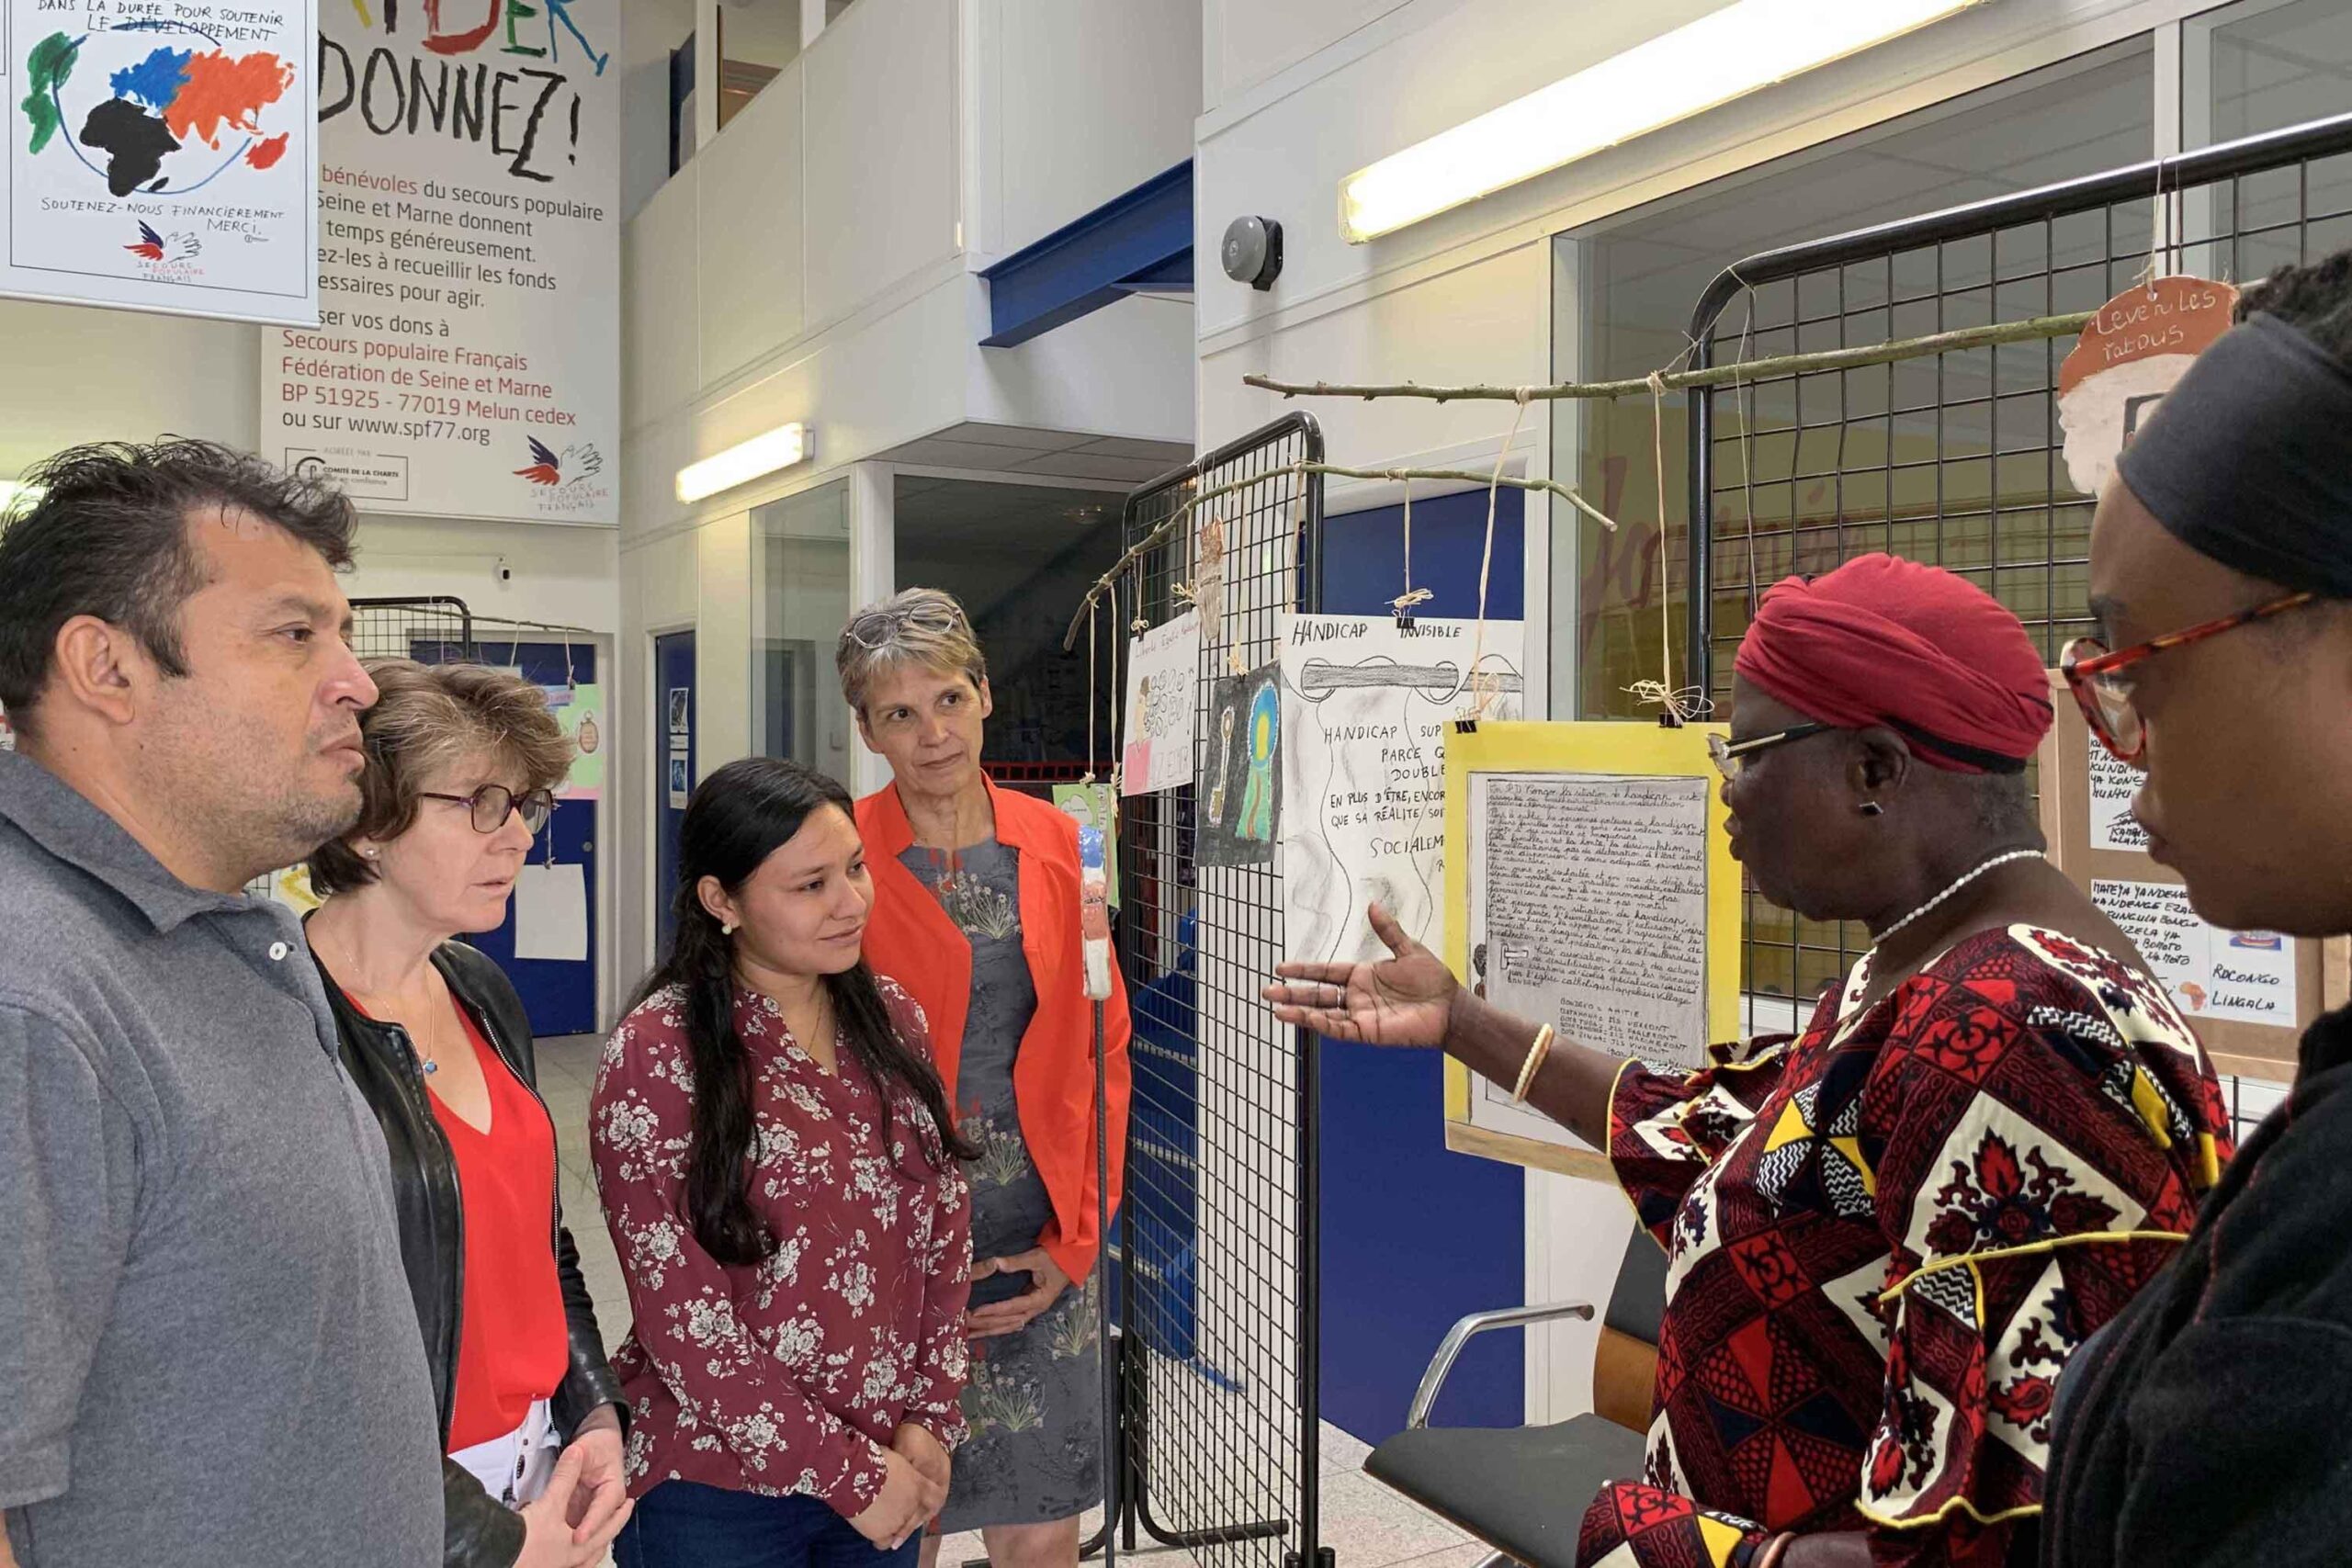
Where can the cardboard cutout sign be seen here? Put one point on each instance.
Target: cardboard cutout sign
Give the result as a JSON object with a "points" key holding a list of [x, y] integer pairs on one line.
{"points": [[2138, 345]]}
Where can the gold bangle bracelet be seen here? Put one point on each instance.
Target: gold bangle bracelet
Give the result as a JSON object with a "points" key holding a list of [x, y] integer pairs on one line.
{"points": [[1533, 1064]]}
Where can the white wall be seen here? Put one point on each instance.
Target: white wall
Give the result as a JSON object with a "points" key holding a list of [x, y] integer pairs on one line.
{"points": [[650, 30], [817, 262], [564, 577], [1075, 102], [814, 262], [882, 176], [1299, 96], [1244, 42], [805, 266], [818, 203], [76, 374], [751, 274], [1124, 370]]}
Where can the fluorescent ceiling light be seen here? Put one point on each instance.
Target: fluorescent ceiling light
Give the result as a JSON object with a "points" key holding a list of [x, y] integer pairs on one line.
{"points": [[1724, 55], [779, 448]]}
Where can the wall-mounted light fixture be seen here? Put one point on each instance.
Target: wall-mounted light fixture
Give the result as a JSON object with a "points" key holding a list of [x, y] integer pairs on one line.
{"points": [[779, 448], [18, 496], [1721, 56]]}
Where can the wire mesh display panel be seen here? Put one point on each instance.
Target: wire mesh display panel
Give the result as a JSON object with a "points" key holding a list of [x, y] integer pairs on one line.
{"points": [[443, 630], [437, 630], [1957, 458], [1218, 1271]]}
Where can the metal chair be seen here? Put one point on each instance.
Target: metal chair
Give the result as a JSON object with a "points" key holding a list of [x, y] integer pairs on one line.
{"points": [[1524, 1490]]}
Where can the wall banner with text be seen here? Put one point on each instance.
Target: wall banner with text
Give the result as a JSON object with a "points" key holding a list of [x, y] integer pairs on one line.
{"points": [[161, 156], [467, 360]]}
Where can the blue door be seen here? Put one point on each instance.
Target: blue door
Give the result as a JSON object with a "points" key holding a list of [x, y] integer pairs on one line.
{"points": [[558, 992], [673, 769], [1392, 1285]]}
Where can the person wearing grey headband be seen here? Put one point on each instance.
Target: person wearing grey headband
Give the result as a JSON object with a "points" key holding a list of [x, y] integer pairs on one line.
{"points": [[2207, 1424]]}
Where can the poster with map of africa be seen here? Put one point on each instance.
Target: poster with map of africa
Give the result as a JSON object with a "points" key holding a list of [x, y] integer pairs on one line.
{"points": [[163, 155]]}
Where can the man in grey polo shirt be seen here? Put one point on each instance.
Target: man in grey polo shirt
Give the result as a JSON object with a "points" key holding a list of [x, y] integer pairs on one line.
{"points": [[207, 1351]]}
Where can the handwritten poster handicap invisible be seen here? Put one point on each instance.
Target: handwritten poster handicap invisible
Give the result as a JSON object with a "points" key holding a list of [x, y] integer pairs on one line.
{"points": [[1163, 667], [467, 357], [1367, 706], [1590, 886], [162, 155]]}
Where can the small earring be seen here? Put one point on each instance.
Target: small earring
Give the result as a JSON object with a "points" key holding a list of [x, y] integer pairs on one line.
{"points": [[1872, 808], [727, 928], [372, 853]]}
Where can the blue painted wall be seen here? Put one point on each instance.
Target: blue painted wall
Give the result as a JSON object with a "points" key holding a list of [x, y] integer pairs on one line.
{"points": [[1414, 1236]]}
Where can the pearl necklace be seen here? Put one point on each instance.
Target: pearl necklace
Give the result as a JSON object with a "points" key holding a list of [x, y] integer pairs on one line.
{"points": [[1965, 880]]}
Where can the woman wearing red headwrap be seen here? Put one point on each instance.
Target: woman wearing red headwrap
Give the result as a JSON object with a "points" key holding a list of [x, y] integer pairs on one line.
{"points": [[1887, 1233]]}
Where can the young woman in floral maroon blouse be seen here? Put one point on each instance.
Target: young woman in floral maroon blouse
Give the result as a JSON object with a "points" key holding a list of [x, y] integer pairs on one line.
{"points": [[780, 1176]]}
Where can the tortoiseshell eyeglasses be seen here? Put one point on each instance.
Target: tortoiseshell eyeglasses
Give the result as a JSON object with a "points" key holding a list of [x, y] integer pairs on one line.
{"points": [[2104, 693]]}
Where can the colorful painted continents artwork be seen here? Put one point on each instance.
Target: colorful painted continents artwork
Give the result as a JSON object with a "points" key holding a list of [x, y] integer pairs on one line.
{"points": [[156, 107]]}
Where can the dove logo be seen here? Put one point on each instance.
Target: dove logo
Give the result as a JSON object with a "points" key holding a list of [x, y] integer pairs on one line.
{"points": [[561, 480], [162, 254], [545, 469], [571, 466]]}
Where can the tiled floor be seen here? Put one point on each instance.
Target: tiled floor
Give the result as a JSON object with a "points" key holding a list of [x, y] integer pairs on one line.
{"points": [[1367, 1524], [567, 1076]]}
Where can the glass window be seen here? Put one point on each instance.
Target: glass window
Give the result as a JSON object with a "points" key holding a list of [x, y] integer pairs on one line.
{"points": [[2257, 66], [2264, 65], [800, 557], [1949, 459], [1626, 289], [755, 43]]}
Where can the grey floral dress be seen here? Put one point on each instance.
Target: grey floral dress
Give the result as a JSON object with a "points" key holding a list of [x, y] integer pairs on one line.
{"points": [[1034, 1399]]}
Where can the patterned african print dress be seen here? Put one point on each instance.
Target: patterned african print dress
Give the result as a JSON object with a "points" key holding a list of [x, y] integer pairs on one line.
{"points": [[1886, 1237]]}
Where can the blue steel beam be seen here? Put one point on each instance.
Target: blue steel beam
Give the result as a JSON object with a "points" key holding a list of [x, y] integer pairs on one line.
{"points": [[1140, 240]]}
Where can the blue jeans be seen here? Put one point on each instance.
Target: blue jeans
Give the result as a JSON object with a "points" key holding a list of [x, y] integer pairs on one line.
{"points": [[681, 1524]]}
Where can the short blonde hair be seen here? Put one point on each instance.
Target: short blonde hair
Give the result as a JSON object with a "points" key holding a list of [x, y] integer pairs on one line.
{"points": [[427, 717], [921, 628]]}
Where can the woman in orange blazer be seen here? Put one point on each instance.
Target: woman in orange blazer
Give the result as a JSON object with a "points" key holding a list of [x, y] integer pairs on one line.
{"points": [[976, 913]]}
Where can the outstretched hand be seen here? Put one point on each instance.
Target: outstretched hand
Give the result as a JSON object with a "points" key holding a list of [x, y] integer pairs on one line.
{"points": [[1400, 1000]]}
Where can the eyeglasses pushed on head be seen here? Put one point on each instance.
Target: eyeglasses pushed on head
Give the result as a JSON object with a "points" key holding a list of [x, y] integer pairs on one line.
{"points": [[878, 628]]}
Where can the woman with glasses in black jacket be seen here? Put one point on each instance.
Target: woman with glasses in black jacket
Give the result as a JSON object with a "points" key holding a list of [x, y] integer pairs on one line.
{"points": [[461, 760]]}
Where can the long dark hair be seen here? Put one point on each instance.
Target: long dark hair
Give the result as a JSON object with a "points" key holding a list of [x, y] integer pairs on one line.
{"points": [[738, 817]]}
